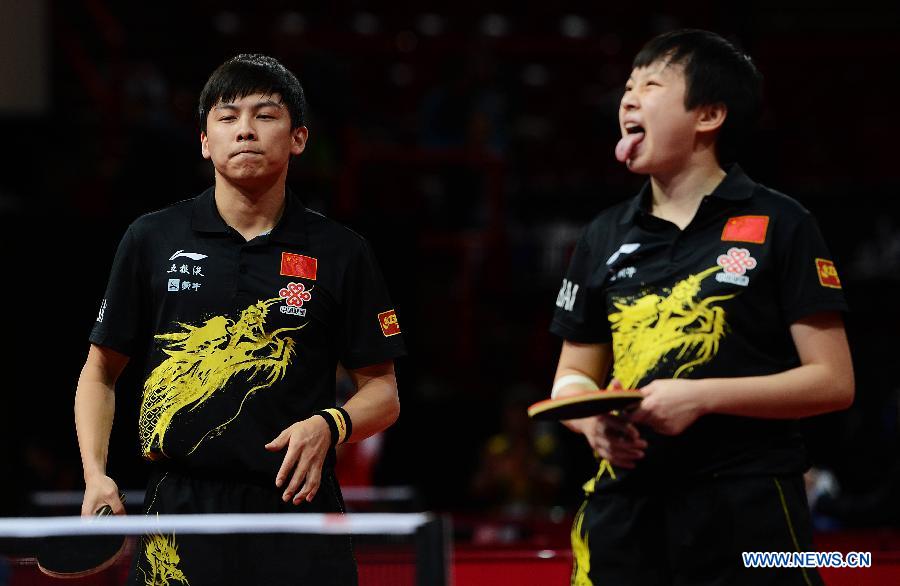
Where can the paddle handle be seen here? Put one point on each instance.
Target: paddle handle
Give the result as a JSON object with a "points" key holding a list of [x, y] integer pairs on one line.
{"points": [[106, 510]]}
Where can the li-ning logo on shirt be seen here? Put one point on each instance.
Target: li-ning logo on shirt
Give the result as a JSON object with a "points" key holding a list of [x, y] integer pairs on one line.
{"points": [[624, 249], [102, 311], [190, 255], [183, 270], [567, 293]]}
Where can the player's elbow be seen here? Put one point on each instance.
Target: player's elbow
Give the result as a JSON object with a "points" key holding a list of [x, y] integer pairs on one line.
{"points": [[392, 410], [846, 397], [843, 391]]}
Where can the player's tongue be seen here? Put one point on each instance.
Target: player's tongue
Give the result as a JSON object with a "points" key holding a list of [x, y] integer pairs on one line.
{"points": [[625, 148]]}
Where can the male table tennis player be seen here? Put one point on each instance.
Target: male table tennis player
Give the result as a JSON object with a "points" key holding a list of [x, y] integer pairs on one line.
{"points": [[242, 302], [717, 298]]}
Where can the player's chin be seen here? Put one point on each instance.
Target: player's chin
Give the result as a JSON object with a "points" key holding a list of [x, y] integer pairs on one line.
{"points": [[640, 165], [244, 170], [248, 175]]}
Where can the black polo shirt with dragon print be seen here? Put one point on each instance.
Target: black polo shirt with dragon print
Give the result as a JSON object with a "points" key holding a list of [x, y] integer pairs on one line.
{"points": [[241, 339], [713, 300]]}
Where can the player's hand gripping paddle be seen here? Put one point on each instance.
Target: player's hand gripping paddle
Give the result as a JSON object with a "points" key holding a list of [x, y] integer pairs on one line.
{"points": [[76, 556], [585, 404]]}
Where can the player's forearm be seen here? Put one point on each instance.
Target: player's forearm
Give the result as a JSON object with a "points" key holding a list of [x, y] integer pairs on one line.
{"points": [[807, 390], [95, 406], [576, 361], [374, 407], [573, 388]]}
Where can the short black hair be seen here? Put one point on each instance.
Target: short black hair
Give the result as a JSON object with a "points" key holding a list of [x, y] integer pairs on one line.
{"points": [[715, 72], [251, 73]]}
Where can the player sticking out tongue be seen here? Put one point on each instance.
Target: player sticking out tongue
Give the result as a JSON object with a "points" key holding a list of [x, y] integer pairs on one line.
{"points": [[625, 147]]}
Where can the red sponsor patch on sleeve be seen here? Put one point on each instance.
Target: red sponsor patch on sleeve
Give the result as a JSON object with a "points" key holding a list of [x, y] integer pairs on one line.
{"points": [[746, 229], [389, 324], [828, 276], [297, 265]]}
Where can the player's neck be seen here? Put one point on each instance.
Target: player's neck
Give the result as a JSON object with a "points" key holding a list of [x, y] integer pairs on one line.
{"points": [[250, 211], [676, 196]]}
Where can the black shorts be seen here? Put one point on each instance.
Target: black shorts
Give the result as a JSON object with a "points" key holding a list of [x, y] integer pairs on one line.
{"points": [[285, 559], [693, 535]]}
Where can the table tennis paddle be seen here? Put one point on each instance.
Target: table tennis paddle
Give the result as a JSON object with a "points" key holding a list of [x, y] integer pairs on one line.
{"points": [[585, 404], [76, 556]]}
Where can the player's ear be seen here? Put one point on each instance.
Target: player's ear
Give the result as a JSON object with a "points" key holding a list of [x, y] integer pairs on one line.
{"points": [[299, 137], [711, 117], [204, 146]]}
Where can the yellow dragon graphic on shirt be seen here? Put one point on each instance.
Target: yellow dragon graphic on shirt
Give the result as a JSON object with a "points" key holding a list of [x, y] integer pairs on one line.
{"points": [[581, 552], [646, 330], [161, 554], [202, 360]]}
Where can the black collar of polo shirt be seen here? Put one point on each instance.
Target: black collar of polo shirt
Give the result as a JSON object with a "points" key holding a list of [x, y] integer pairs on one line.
{"points": [[204, 216], [291, 228], [736, 186]]}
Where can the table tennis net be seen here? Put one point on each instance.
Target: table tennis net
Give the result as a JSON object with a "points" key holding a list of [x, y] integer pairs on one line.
{"points": [[395, 549]]}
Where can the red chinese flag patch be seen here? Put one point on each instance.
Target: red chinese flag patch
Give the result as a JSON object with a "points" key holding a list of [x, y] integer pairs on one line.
{"points": [[389, 324], [746, 229], [828, 276], [297, 265]]}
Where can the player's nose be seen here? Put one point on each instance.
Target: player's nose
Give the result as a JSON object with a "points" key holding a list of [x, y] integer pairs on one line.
{"points": [[629, 101], [246, 129]]}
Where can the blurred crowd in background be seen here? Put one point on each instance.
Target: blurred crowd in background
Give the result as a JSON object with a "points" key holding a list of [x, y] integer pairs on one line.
{"points": [[470, 146]]}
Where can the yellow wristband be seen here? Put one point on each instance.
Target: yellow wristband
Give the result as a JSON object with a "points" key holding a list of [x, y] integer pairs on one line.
{"points": [[341, 424]]}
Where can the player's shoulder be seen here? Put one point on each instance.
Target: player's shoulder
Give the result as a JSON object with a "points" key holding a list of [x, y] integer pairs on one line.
{"points": [[778, 204], [604, 227], [167, 217], [324, 229]]}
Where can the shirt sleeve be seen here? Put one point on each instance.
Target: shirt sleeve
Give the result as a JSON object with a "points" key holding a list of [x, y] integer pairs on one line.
{"points": [[809, 281], [122, 308], [580, 314], [371, 329]]}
